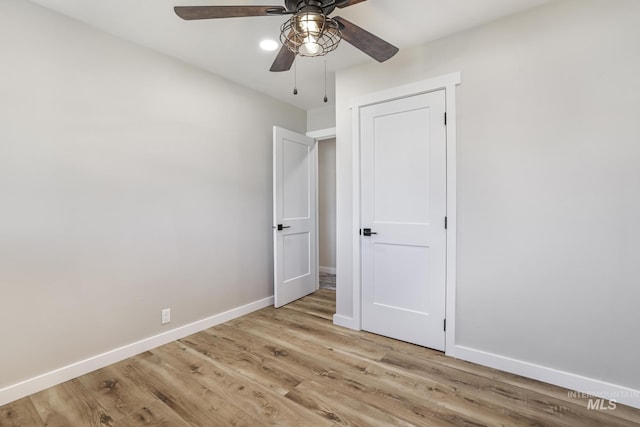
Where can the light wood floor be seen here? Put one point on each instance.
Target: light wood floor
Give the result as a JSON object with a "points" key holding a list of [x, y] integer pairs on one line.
{"points": [[292, 367]]}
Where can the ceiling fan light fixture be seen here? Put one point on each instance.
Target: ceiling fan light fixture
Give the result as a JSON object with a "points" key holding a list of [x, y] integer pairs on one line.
{"points": [[310, 33]]}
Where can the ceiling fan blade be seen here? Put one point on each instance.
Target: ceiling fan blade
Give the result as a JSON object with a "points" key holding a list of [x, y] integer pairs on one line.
{"points": [[373, 46], [214, 12], [346, 3], [284, 60]]}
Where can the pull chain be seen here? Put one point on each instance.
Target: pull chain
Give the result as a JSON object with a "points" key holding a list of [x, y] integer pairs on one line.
{"points": [[325, 81], [295, 77]]}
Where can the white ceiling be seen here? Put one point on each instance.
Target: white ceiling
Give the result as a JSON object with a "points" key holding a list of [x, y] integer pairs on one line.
{"points": [[229, 47]]}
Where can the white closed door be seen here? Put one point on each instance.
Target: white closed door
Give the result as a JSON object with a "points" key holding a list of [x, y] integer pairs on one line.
{"points": [[294, 216], [403, 201]]}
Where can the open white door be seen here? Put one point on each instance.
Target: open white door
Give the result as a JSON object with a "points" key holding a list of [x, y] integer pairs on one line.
{"points": [[294, 216], [403, 199]]}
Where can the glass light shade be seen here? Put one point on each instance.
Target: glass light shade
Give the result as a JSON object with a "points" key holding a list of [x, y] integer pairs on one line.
{"points": [[310, 47], [308, 22]]}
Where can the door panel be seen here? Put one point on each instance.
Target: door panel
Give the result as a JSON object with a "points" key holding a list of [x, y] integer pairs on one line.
{"points": [[297, 264], [398, 169], [296, 169], [294, 209], [392, 262], [403, 199]]}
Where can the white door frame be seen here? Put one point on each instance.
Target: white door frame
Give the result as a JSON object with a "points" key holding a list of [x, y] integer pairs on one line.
{"points": [[319, 135], [448, 83]]}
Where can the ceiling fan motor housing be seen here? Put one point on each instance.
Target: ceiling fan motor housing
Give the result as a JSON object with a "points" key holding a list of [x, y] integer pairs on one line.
{"points": [[322, 6]]}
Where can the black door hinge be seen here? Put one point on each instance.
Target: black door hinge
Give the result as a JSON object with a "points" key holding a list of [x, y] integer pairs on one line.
{"points": [[361, 231], [445, 119], [445, 325], [446, 222]]}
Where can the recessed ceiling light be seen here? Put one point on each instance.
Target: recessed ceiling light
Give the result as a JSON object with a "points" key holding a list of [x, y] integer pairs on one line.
{"points": [[269, 45]]}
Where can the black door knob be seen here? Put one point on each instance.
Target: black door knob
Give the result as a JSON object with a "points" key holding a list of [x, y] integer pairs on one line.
{"points": [[367, 232]]}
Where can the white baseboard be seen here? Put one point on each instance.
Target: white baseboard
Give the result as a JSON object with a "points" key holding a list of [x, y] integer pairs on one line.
{"points": [[66, 373], [345, 322], [327, 270], [620, 394]]}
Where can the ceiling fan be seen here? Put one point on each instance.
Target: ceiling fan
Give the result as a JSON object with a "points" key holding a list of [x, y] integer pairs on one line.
{"points": [[309, 32]]}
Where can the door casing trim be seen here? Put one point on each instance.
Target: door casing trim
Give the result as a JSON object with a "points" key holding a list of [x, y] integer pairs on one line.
{"points": [[447, 83]]}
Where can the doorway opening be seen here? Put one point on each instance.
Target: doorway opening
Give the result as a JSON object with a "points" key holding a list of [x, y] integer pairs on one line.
{"points": [[296, 247], [327, 213]]}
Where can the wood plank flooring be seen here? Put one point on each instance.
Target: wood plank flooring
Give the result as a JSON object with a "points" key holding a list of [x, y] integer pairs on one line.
{"points": [[292, 367]]}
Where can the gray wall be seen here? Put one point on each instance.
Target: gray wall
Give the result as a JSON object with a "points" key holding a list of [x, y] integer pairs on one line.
{"points": [[327, 202], [321, 118], [548, 183], [129, 182]]}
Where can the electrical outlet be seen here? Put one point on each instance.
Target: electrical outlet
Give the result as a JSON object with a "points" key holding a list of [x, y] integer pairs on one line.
{"points": [[166, 316]]}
